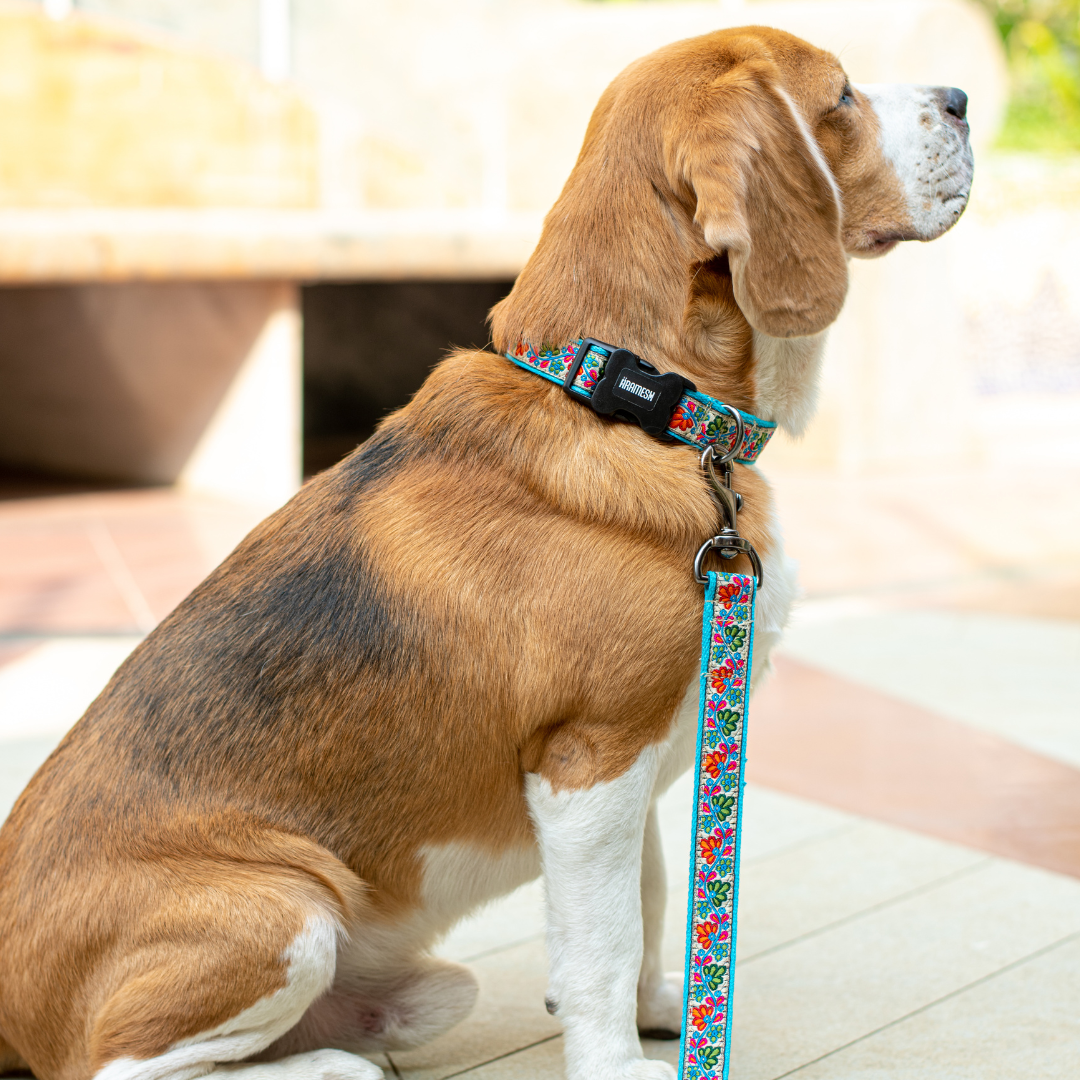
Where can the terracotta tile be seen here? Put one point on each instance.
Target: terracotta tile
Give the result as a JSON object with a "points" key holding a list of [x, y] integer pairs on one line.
{"points": [[1053, 593], [110, 560], [1012, 676], [51, 579], [824, 738]]}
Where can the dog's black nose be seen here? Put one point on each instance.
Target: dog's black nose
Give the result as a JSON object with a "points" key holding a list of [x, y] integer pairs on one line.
{"points": [[956, 102]]}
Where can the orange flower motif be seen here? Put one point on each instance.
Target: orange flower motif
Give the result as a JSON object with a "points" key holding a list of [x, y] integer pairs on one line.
{"points": [[706, 931], [714, 763], [681, 419], [699, 1016], [727, 594], [709, 847]]}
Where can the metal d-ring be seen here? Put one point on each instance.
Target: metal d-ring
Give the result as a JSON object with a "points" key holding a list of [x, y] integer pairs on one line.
{"points": [[740, 431], [729, 544]]}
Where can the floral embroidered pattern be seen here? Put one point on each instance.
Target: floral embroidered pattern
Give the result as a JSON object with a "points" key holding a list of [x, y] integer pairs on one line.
{"points": [[555, 363], [698, 420], [726, 643]]}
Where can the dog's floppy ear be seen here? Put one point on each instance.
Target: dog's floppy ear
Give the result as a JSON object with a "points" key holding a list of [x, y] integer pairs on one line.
{"points": [[766, 198]]}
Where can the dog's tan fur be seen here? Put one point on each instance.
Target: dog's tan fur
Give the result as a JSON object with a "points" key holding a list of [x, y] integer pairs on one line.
{"points": [[496, 583]]}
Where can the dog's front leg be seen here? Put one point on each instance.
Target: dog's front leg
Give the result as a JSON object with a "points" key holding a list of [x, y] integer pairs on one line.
{"points": [[659, 996], [591, 846]]}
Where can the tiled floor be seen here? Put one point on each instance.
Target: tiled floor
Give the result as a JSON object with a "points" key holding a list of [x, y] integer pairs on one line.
{"points": [[911, 886]]}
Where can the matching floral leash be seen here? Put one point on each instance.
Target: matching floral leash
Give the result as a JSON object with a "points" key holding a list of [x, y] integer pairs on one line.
{"points": [[613, 380], [727, 652]]}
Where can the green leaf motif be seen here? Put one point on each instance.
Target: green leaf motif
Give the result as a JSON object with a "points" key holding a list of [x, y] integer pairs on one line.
{"points": [[709, 1056], [736, 636], [723, 805], [719, 891], [727, 721], [714, 975]]}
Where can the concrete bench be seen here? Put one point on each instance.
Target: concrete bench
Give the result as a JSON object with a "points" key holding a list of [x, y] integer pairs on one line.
{"points": [[162, 210]]}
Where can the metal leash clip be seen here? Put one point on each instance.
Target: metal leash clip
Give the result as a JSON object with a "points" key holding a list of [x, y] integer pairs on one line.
{"points": [[727, 542]]}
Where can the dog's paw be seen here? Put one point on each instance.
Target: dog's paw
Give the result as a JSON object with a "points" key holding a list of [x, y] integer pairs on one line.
{"points": [[659, 1012]]}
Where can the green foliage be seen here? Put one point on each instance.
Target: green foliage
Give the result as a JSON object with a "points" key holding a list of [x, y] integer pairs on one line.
{"points": [[1042, 41]]}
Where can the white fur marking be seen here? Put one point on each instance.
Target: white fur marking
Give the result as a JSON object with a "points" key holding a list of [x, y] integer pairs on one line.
{"points": [[811, 144], [786, 373], [458, 878], [311, 960], [930, 154]]}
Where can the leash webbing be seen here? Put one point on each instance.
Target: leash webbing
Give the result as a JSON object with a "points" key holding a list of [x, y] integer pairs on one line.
{"points": [[727, 639]]}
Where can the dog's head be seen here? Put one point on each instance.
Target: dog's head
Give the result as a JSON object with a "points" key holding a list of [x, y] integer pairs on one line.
{"points": [[790, 168], [746, 159]]}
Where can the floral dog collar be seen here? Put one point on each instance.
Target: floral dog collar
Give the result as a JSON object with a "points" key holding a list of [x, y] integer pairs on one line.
{"points": [[609, 378]]}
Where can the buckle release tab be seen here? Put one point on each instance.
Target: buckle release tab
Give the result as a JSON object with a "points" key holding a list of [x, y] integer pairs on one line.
{"points": [[633, 387]]}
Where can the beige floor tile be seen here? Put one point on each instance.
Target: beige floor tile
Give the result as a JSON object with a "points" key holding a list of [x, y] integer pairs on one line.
{"points": [[837, 877], [662, 1050], [772, 822], [541, 1062], [509, 1015], [872, 533], [1023, 1023], [825, 880], [794, 1005], [46, 690], [776, 828], [545, 1061], [383, 1062]]}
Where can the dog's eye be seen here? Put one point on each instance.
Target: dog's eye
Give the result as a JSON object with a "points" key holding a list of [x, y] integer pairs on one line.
{"points": [[847, 96]]}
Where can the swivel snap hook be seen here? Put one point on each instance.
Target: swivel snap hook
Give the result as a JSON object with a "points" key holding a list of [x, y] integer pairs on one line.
{"points": [[731, 501], [728, 543]]}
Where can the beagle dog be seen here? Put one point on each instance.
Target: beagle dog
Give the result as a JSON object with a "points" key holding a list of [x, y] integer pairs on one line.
{"points": [[458, 659]]}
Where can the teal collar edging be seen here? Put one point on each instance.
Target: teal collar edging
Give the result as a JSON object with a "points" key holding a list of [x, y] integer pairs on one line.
{"points": [[698, 420]]}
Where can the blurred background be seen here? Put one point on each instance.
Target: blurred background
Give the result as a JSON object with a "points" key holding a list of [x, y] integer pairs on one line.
{"points": [[236, 233]]}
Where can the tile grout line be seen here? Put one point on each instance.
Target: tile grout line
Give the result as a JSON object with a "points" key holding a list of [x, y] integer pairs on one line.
{"points": [[501, 1057], [120, 574], [1075, 936], [928, 886], [839, 830], [393, 1064]]}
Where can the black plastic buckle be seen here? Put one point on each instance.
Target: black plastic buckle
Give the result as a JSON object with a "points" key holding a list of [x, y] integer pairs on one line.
{"points": [[631, 387]]}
